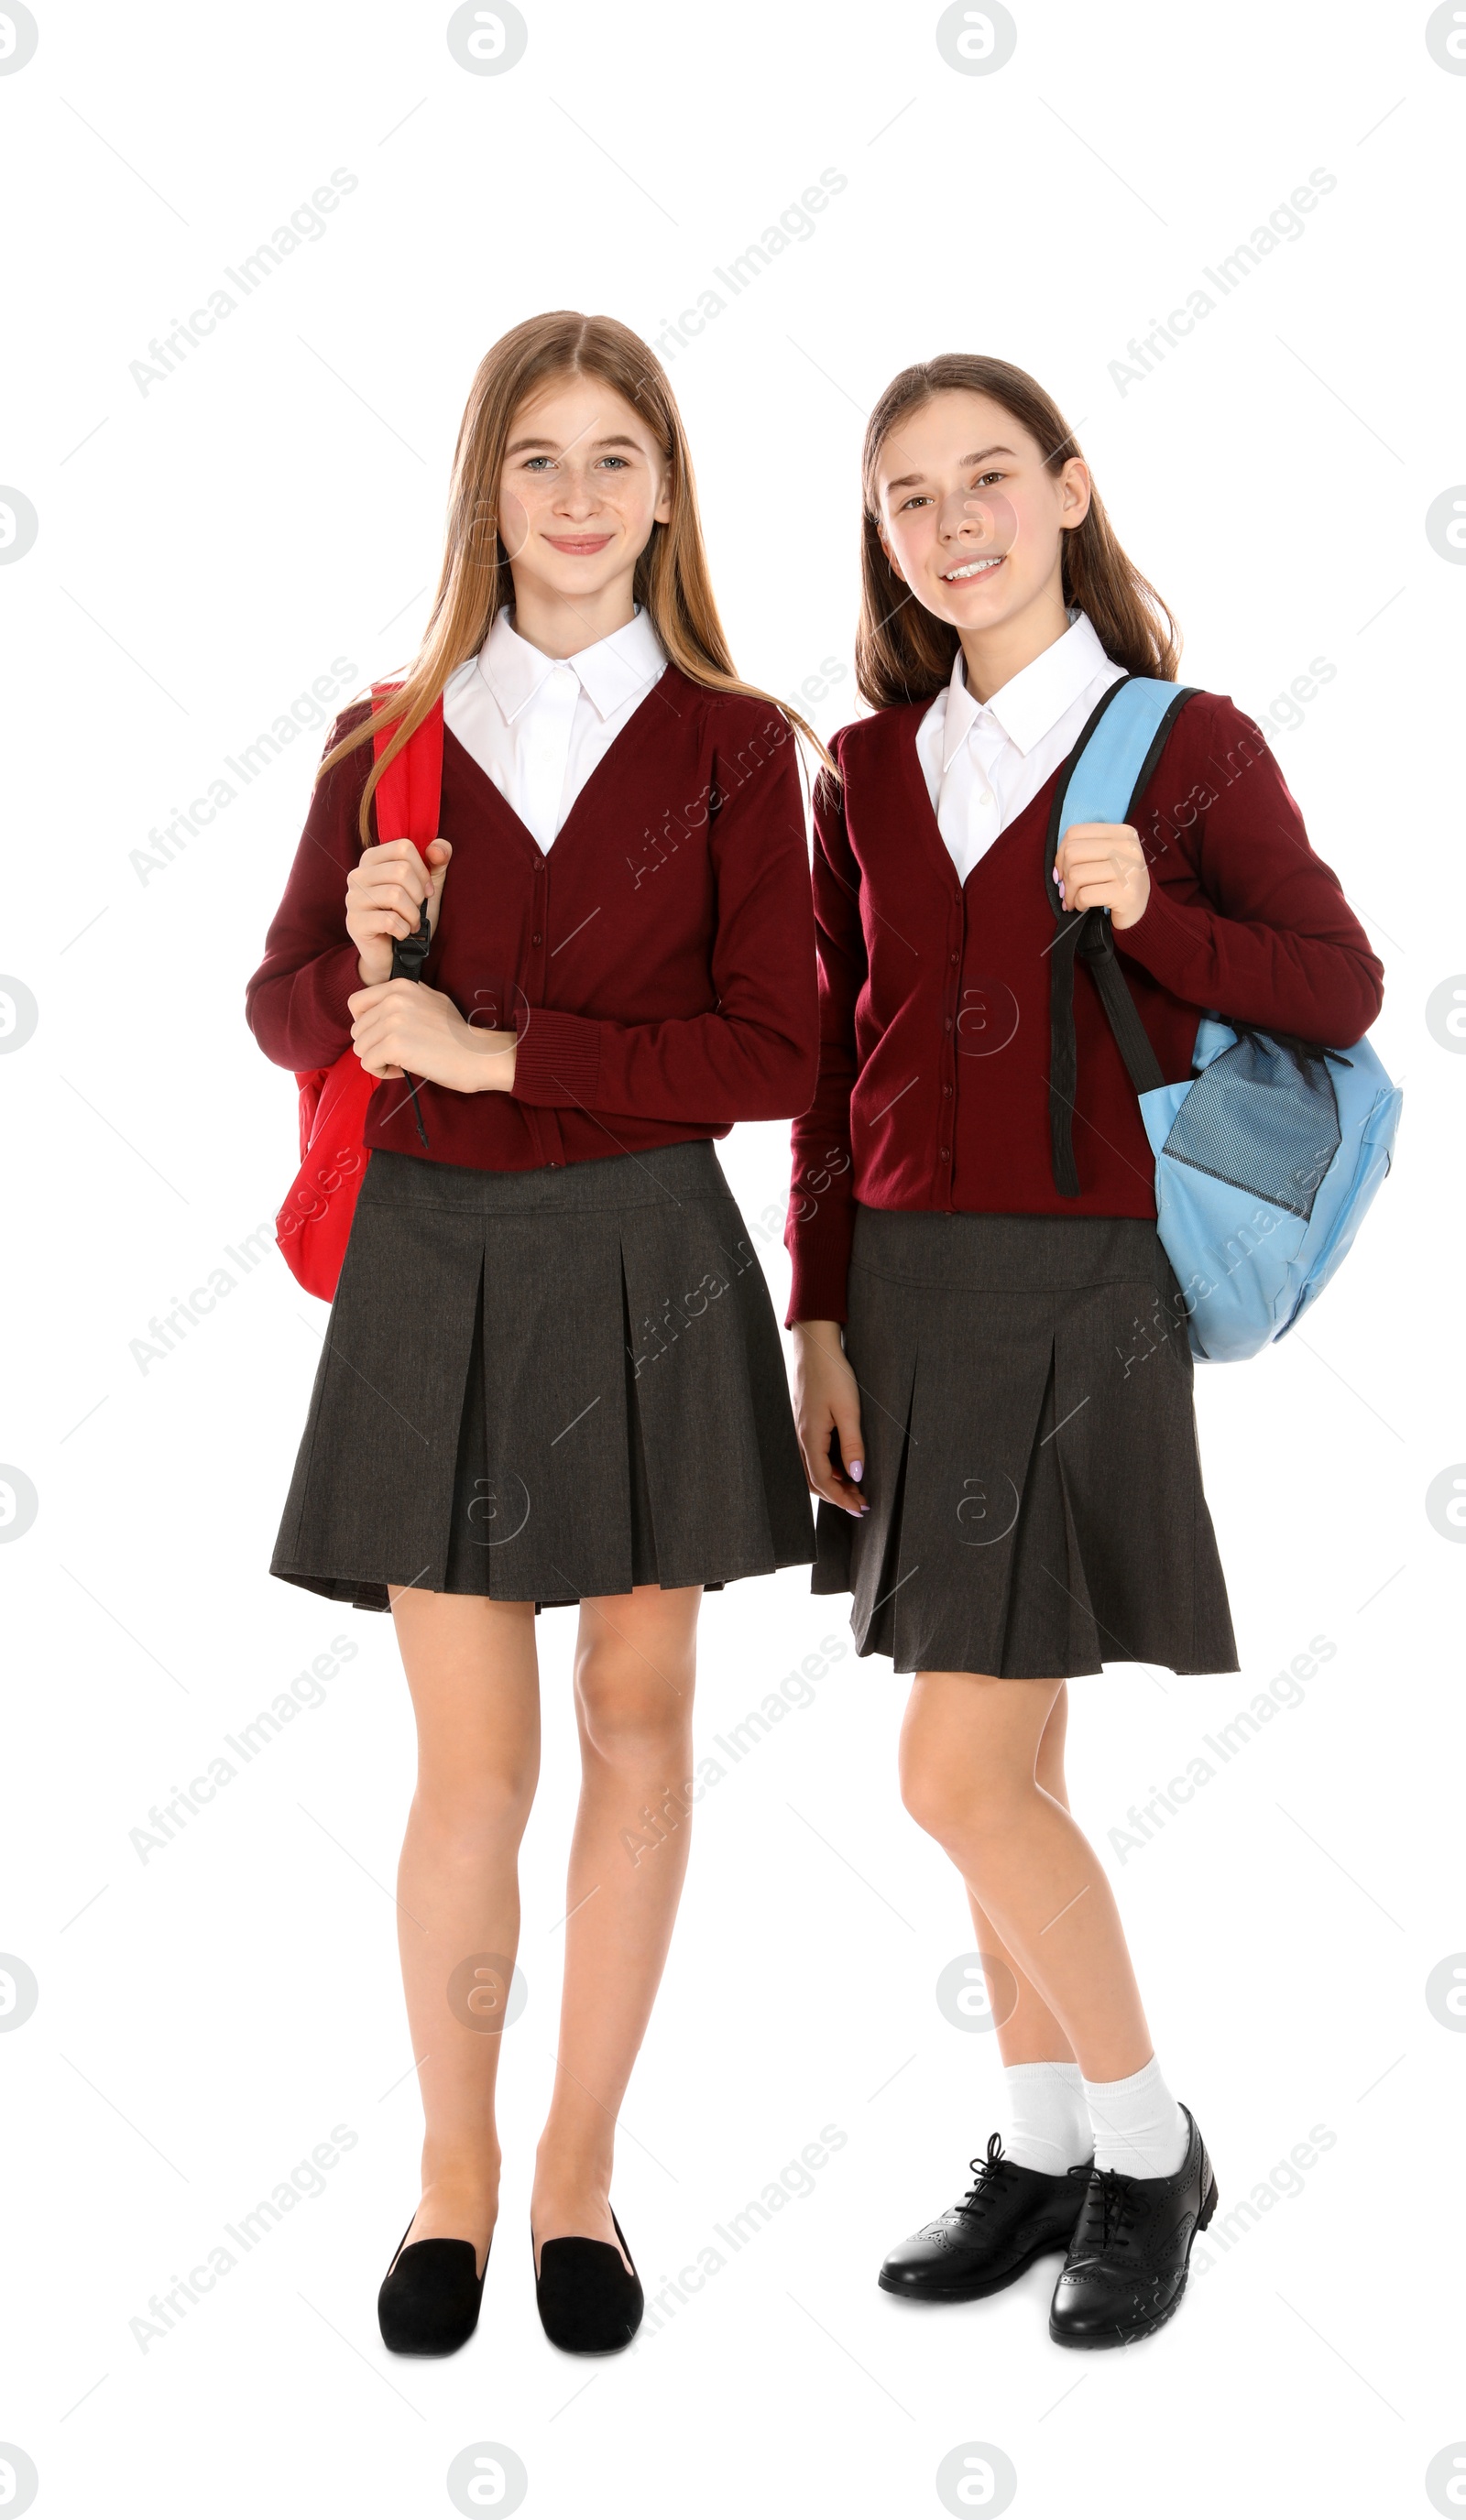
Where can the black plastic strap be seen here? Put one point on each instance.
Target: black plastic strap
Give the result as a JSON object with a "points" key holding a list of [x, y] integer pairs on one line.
{"points": [[409, 954], [1063, 1070], [1142, 1067]]}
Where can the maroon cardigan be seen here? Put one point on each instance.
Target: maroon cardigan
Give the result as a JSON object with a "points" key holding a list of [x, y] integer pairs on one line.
{"points": [[933, 1075], [658, 963]]}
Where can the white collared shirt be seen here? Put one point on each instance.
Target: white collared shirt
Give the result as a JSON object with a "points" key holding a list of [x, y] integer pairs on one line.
{"points": [[538, 725], [984, 762]]}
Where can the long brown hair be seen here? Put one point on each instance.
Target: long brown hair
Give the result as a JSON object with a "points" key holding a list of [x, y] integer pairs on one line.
{"points": [[671, 581], [903, 651]]}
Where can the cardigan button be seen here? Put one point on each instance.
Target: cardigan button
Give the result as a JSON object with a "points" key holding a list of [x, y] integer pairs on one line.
{"points": [[954, 958], [946, 1154], [536, 940], [946, 1089]]}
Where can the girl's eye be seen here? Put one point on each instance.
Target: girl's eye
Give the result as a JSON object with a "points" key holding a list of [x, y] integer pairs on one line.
{"points": [[918, 498], [619, 461], [984, 478], [534, 462]]}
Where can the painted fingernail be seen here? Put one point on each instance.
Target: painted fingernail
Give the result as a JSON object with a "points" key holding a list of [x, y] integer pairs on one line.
{"points": [[856, 1470]]}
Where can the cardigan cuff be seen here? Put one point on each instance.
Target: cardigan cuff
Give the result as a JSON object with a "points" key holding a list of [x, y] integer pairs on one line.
{"points": [[558, 1061], [818, 1292], [1160, 941], [317, 1017]]}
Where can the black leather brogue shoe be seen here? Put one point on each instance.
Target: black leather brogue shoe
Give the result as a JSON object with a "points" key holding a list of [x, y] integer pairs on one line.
{"points": [[1009, 2216], [1125, 2267]]}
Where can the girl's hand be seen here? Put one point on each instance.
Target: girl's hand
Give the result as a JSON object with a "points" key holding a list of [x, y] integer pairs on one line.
{"points": [[403, 1025], [826, 1402], [384, 894], [1101, 866]]}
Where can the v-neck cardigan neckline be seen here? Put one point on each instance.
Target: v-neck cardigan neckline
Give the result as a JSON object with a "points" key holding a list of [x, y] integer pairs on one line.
{"points": [[941, 856], [616, 753]]}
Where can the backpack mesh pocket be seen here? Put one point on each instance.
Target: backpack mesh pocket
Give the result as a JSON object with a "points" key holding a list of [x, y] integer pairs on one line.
{"points": [[1264, 1120]]}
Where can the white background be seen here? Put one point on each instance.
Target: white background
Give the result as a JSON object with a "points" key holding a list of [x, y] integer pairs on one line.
{"points": [[205, 549]]}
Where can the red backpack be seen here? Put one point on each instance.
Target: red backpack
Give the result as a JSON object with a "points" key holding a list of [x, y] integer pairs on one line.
{"points": [[314, 1225]]}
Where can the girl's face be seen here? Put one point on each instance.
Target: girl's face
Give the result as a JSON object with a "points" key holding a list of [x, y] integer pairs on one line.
{"points": [[969, 515], [583, 485]]}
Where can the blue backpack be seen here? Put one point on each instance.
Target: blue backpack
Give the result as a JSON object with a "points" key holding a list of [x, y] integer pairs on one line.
{"points": [[1268, 1154]]}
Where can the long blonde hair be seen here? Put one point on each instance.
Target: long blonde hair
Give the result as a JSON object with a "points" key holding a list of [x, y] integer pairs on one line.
{"points": [[671, 581]]}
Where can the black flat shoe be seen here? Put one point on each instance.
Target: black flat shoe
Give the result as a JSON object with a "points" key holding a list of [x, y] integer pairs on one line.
{"points": [[587, 2303], [429, 2301], [1007, 2219], [1125, 2269]]}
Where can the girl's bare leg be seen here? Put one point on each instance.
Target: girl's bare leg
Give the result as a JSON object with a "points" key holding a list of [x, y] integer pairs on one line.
{"points": [[1028, 2034], [470, 1668], [635, 1663], [969, 1776]]}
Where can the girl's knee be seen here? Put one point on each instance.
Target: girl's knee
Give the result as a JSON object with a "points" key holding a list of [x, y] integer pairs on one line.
{"points": [[630, 1713], [961, 1799], [634, 1675], [471, 1806], [933, 1797]]}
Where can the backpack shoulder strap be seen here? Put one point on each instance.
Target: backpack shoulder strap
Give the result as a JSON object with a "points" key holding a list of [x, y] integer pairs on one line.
{"points": [[1107, 772], [1101, 781], [409, 791]]}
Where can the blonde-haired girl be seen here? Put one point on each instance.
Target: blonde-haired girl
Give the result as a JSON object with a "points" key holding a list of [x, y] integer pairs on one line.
{"points": [[551, 1373]]}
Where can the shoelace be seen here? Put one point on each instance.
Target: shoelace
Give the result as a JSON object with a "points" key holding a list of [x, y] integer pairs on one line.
{"points": [[989, 2167], [1111, 2205]]}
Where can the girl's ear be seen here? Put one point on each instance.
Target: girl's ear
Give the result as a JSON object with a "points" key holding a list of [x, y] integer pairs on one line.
{"points": [[893, 562], [1073, 493], [661, 513]]}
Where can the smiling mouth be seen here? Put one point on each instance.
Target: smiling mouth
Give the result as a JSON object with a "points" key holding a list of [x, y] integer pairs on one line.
{"points": [[578, 542], [971, 568]]}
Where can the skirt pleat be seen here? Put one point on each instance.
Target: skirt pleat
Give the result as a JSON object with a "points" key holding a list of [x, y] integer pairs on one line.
{"points": [[1036, 1506], [546, 1385]]}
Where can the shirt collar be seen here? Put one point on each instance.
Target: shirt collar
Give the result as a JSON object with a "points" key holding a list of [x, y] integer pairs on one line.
{"points": [[610, 672], [1032, 703]]}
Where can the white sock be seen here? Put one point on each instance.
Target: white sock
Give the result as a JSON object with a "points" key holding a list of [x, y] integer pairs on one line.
{"points": [[1138, 2128], [1047, 2115]]}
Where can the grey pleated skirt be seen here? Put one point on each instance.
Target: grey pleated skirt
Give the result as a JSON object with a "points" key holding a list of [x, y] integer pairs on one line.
{"points": [[543, 1385], [1030, 1457]]}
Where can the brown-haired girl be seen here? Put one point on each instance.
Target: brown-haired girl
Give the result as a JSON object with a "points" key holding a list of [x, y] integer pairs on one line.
{"points": [[993, 1380], [551, 1371]]}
